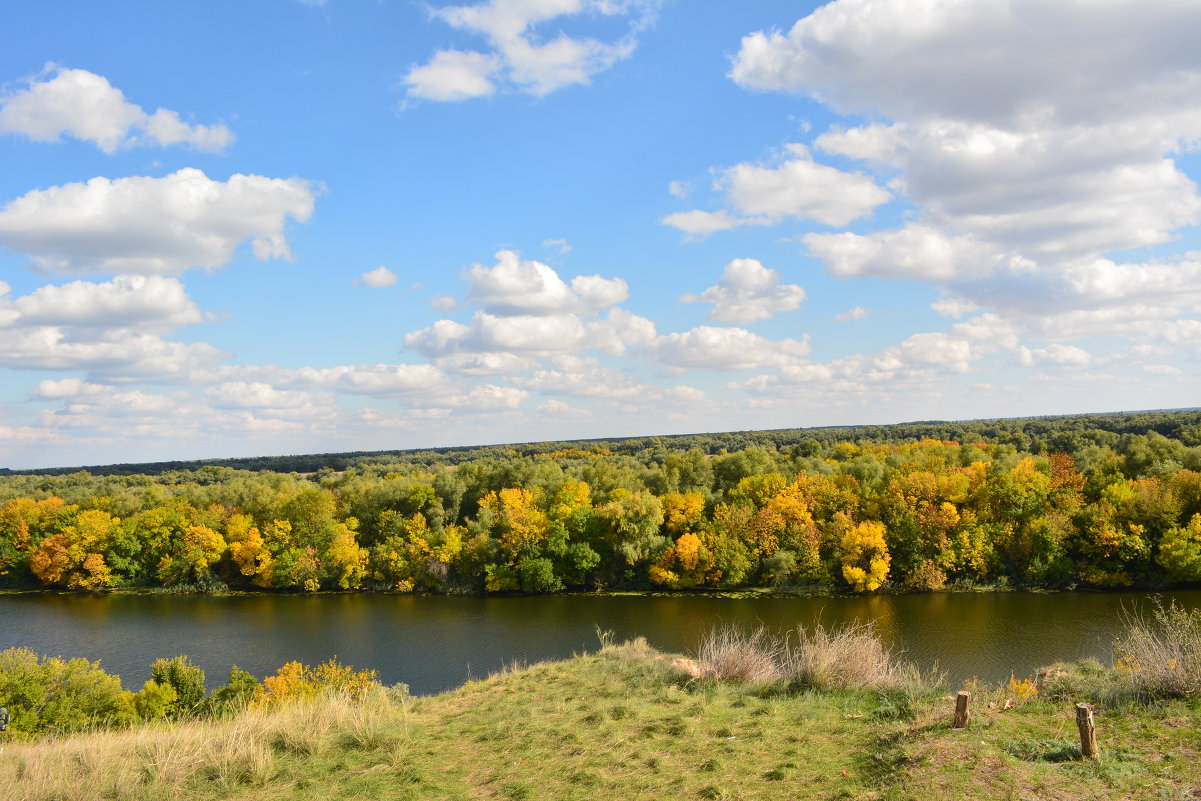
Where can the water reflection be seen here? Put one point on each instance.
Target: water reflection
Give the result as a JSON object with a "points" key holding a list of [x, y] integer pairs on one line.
{"points": [[432, 643]]}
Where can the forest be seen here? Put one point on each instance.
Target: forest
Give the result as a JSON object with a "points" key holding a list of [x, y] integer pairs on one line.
{"points": [[1087, 501]]}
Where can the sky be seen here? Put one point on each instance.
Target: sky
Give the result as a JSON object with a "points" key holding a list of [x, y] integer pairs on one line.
{"points": [[282, 227]]}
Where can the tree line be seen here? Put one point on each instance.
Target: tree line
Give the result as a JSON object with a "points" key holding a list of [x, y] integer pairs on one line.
{"points": [[1035, 503]]}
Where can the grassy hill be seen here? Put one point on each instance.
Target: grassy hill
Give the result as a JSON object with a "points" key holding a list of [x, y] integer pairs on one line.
{"points": [[631, 723]]}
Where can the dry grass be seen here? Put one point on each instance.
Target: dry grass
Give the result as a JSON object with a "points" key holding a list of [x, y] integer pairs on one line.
{"points": [[844, 657], [1160, 653], [165, 760], [836, 657], [731, 654]]}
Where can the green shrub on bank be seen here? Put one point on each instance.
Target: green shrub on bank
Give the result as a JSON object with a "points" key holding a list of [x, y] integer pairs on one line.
{"points": [[1160, 653], [53, 695]]}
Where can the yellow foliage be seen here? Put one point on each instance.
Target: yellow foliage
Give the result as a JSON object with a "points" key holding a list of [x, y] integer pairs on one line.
{"points": [[865, 557], [1022, 688], [682, 510], [520, 520], [249, 551], [347, 557], [571, 496]]}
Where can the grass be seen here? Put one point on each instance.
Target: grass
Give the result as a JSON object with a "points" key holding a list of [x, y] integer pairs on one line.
{"points": [[627, 723]]}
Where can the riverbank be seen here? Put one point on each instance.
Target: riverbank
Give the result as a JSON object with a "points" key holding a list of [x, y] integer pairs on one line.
{"points": [[631, 722]]}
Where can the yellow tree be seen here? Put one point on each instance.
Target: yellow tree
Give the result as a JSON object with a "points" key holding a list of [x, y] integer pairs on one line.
{"points": [[75, 558], [249, 550], [682, 510], [571, 496], [688, 563], [865, 557], [521, 524]]}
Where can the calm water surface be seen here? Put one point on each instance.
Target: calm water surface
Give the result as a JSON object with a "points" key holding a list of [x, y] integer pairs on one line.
{"points": [[434, 643]]}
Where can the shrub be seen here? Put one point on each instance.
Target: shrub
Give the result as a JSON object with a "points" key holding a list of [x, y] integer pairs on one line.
{"points": [[729, 653], [155, 700], [1161, 653], [235, 695], [295, 681], [850, 656], [49, 694], [185, 678]]}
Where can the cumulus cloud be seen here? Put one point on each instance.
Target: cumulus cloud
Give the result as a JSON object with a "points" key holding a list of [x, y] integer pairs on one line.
{"points": [[711, 348], [453, 75], [514, 286], [153, 225], [85, 106], [146, 302], [121, 354], [381, 380], [1025, 167], [850, 315], [518, 57], [378, 278], [748, 292], [796, 187]]}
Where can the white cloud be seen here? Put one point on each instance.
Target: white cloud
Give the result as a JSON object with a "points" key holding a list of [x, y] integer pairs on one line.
{"points": [[381, 380], [520, 58], [699, 224], [1044, 147], [119, 353], [256, 395], [146, 302], [915, 251], [153, 225], [557, 408], [800, 188], [710, 348], [379, 277], [1055, 355], [51, 389], [680, 189], [86, 106], [748, 292], [486, 364], [516, 287], [796, 187], [559, 245], [453, 75], [850, 315]]}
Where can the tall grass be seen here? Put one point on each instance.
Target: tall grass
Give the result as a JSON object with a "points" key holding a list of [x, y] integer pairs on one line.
{"points": [[850, 656], [845, 657], [250, 749], [732, 654], [1160, 653]]}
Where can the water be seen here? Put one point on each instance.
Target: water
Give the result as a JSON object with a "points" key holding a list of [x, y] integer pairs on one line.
{"points": [[434, 643]]}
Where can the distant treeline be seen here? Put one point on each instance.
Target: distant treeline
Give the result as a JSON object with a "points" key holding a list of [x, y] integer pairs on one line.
{"points": [[1034, 434], [1105, 500]]}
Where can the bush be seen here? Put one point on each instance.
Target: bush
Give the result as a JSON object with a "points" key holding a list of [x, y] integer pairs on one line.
{"points": [[295, 681], [1160, 654], [850, 656], [49, 694], [731, 654], [185, 678]]}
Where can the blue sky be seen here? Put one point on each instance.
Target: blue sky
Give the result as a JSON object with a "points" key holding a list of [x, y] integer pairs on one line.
{"points": [[284, 227]]}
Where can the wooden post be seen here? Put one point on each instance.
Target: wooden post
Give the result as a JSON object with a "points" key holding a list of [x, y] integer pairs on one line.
{"points": [[962, 716], [1088, 730]]}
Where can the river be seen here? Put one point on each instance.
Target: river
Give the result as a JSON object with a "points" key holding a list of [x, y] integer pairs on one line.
{"points": [[434, 643]]}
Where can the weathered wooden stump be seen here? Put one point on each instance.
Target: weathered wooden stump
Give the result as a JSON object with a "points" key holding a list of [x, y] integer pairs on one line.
{"points": [[962, 716], [1088, 730]]}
